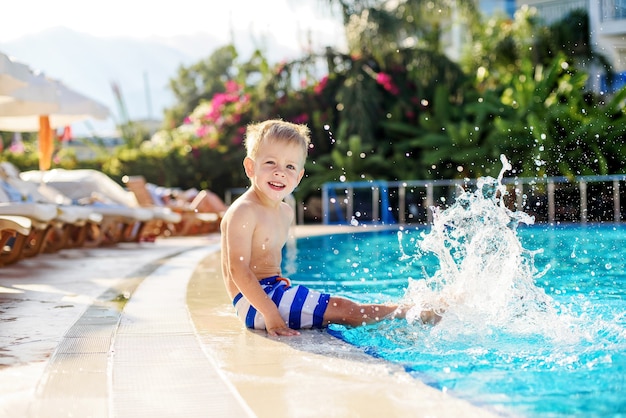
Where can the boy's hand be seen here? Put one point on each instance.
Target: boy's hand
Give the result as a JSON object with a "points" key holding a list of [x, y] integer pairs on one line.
{"points": [[282, 331], [277, 326]]}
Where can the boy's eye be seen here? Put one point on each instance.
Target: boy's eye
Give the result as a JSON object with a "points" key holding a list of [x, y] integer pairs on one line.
{"points": [[291, 166]]}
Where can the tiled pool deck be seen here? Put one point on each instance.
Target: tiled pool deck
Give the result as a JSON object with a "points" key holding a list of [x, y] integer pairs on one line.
{"points": [[146, 330]]}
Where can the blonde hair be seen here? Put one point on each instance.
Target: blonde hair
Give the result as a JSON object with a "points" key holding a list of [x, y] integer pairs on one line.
{"points": [[276, 129]]}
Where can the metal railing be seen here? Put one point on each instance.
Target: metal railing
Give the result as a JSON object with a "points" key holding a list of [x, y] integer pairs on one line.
{"points": [[553, 199]]}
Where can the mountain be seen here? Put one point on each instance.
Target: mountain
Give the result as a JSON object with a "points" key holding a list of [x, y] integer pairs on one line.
{"points": [[141, 68], [88, 64]]}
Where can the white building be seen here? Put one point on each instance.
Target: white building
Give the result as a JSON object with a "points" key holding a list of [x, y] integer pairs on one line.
{"points": [[607, 26]]}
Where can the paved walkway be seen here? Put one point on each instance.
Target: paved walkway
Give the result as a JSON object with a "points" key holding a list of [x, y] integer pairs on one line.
{"points": [[146, 330]]}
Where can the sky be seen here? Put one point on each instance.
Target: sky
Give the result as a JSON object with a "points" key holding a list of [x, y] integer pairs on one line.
{"points": [[288, 20]]}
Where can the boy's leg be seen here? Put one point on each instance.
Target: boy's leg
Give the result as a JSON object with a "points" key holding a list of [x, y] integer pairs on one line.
{"points": [[346, 312]]}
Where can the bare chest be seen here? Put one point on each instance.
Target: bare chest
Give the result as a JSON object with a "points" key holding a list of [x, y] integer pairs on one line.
{"points": [[269, 238]]}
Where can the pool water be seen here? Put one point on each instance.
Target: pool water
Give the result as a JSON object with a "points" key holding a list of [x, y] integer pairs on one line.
{"points": [[537, 329]]}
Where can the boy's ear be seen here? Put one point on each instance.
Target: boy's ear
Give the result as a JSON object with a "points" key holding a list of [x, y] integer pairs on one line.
{"points": [[248, 166], [300, 175]]}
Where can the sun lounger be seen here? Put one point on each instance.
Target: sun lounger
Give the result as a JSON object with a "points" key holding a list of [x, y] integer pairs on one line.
{"points": [[43, 217], [42, 220], [13, 232], [71, 221], [194, 221], [123, 219]]}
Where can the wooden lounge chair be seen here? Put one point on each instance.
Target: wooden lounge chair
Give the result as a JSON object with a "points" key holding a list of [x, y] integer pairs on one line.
{"points": [[14, 230], [123, 219], [71, 222], [42, 217], [196, 219]]}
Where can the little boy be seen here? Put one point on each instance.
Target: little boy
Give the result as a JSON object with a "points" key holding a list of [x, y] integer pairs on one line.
{"points": [[254, 230]]}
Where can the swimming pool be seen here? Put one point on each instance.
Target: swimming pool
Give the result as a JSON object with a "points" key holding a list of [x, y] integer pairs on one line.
{"points": [[537, 329]]}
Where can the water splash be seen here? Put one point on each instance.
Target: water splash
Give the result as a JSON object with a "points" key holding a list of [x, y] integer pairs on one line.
{"points": [[486, 278]]}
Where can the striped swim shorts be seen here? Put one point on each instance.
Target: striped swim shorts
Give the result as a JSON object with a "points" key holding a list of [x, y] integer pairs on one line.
{"points": [[299, 306]]}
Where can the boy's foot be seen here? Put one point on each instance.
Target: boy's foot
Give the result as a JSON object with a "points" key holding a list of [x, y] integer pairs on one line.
{"points": [[430, 317], [426, 317]]}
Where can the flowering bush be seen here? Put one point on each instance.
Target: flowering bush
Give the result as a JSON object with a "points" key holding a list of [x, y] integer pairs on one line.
{"points": [[221, 122]]}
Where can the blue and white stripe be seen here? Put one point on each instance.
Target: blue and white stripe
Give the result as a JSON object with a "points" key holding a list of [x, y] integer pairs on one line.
{"points": [[299, 306]]}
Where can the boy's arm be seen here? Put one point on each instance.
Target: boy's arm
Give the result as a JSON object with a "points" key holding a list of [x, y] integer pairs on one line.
{"points": [[239, 232]]}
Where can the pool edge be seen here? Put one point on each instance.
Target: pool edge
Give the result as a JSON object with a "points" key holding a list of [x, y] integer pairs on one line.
{"points": [[313, 374]]}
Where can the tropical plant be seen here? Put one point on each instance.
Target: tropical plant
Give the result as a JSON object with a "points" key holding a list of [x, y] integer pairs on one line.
{"points": [[349, 161], [199, 82]]}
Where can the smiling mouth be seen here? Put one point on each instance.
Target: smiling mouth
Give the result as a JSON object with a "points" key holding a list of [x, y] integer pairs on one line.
{"points": [[276, 186]]}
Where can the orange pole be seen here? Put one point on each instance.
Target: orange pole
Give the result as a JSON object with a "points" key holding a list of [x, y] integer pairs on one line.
{"points": [[45, 143]]}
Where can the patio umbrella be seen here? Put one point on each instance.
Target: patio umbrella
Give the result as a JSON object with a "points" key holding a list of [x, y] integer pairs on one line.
{"points": [[63, 106], [71, 107], [27, 91], [13, 75], [31, 102]]}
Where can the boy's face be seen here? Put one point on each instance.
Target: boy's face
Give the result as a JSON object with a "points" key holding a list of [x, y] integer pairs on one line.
{"points": [[277, 169]]}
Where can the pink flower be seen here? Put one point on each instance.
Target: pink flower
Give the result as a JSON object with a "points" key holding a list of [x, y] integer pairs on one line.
{"points": [[238, 138], [17, 148], [319, 87], [201, 131], [383, 78], [220, 99], [386, 81], [232, 86], [301, 118]]}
